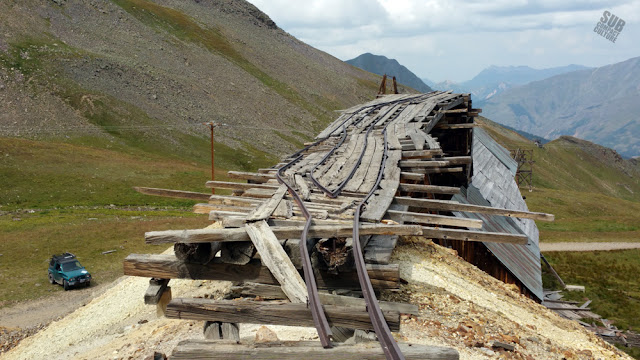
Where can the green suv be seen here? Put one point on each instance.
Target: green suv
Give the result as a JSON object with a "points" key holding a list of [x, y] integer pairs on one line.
{"points": [[66, 270]]}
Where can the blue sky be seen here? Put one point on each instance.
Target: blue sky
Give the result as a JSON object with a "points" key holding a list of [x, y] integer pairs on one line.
{"points": [[456, 39]]}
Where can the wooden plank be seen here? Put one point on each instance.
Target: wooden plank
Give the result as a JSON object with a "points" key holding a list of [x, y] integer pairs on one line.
{"points": [[457, 160], [258, 193], [257, 177], [374, 168], [445, 170], [207, 208], [237, 185], [284, 210], [362, 171], [377, 206], [303, 189], [273, 256], [267, 208], [430, 219], [169, 267], [411, 176], [172, 193], [273, 313], [339, 174], [442, 126], [273, 292], [284, 232], [422, 163], [421, 154], [239, 201], [432, 189], [225, 350], [470, 235], [449, 206]]}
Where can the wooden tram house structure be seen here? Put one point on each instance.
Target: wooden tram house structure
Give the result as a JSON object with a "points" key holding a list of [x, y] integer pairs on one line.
{"points": [[328, 218]]}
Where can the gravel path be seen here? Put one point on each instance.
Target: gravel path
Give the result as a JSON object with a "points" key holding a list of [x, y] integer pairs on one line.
{"points": [[588, 246]]}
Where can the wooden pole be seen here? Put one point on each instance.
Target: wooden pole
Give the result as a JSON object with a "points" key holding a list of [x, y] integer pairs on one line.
{"points": [[211, 126]]}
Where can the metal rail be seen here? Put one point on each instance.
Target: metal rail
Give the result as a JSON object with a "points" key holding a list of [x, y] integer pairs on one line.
{"points": [[317, 312], [334, 193]]}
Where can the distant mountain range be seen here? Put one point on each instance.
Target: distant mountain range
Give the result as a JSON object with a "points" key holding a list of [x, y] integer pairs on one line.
{"points": [[496, 79], [381, 65], [599, 105]]}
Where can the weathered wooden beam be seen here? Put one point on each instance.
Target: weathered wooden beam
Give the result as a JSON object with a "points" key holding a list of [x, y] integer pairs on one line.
{"points": [[421, 154], [287, 232], [430, 219], [273, 313], [240, 186], [267, 208], [272, 255], [433, 189], [435, 170], [443, 205], [422, 163], [457, 160], [232, 350], [303, 189], [168, 267], [172, 193], [273, 292], [470, 235], [240, 201], [257, 177], [442, 126], [411, 176], [207, 208]]}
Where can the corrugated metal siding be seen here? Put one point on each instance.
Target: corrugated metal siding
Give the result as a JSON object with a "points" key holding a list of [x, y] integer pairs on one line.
{"points": [[523, 261], [500, 153], [493, 184]]}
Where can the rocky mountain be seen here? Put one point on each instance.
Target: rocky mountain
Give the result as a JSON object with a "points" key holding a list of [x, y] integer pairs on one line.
{"points": [[144, 75], [496, 79], [599, 105], [381, 65]]}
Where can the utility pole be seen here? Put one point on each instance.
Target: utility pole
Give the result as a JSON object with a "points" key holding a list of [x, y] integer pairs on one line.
{"points": [[211, 126]]}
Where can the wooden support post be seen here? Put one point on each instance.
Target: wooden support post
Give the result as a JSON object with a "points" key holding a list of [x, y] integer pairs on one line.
{"points": [[155, 290], [165, 298]]}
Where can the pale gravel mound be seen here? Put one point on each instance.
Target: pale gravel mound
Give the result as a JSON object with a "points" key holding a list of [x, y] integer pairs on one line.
{"points": [[460, 307], [463, 307], [588, 246]]}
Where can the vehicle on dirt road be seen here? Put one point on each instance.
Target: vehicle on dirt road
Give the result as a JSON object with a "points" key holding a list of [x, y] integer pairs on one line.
{"points": [[66, 270]]}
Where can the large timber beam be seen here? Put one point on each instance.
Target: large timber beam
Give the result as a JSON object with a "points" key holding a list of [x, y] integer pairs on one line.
{"points": [[283, 232], [443, 205], [169, 267], [273, 313]]}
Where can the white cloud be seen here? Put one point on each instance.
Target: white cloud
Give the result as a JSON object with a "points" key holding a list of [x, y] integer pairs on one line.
{"points": [[455, 39]]}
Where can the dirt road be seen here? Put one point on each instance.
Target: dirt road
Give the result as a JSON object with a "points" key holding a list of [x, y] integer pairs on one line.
{"points": [[588, 246]]}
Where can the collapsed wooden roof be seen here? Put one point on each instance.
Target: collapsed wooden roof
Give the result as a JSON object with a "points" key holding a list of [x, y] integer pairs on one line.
{"points": [[382, 169]]}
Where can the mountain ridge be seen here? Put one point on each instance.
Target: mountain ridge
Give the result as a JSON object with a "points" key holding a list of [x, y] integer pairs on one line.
{"points": [[381, 65], [599, 105]]}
